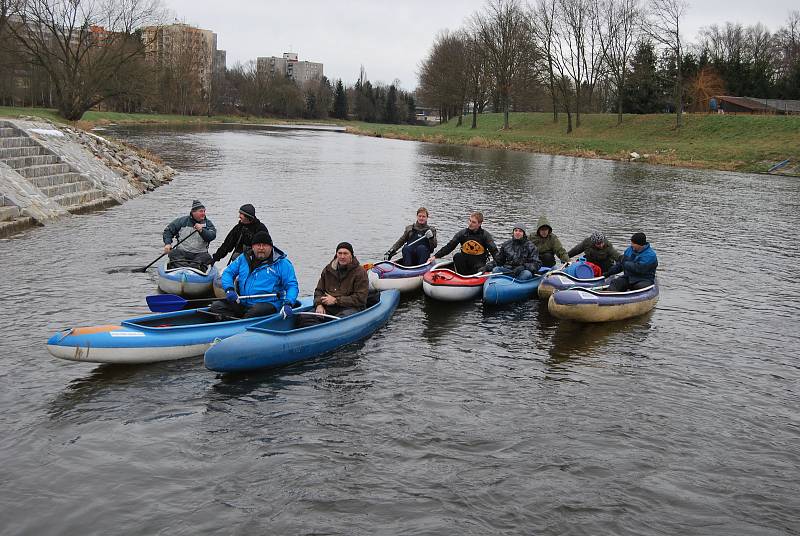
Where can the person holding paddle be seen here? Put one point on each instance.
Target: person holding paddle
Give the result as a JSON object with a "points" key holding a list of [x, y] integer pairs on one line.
{"points": [[194, 232], [264, 269], [418, 241]]}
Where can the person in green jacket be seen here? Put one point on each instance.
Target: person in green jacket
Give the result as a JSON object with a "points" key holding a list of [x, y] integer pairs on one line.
{"points": [[548, 244]]}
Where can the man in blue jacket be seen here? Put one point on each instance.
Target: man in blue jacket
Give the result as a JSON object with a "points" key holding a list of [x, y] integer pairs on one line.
{"points": [[264, 269], [639, 262]]}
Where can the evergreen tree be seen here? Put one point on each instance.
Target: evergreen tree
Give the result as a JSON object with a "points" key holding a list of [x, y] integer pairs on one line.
{"points": [[642, 92], [391, 106], [340, 101]]}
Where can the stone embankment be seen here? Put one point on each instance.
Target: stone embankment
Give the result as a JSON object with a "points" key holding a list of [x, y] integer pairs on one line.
{"points": [[50, 171]]}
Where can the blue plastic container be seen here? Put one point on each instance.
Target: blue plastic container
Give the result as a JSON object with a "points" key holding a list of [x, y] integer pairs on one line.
{"points": [[580, 270]]}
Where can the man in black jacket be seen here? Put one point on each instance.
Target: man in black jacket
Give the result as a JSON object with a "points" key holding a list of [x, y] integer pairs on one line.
{"points": [[476, 245], [241, 236]]}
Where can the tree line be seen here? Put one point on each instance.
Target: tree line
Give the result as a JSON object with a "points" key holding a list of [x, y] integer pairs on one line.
{"points": [[623, 56], [75, 55]]}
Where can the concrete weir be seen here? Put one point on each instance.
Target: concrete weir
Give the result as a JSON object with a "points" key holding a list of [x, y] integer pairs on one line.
{"points": [[50, 171]]}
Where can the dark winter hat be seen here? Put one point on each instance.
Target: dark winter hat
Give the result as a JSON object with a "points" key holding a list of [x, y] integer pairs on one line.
{"points": [[345, 245], [639, 239], [248, 210], [197, 205], [262, 237], [597, 237]]}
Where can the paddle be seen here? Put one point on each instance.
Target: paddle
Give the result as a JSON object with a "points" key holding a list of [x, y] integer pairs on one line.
{"points": [[166, 303], [314, 314], [141, 270], [428, 234]]}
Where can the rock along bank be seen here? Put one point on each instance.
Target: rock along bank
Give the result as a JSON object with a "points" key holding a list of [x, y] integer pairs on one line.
{"points": [[50, 171]]}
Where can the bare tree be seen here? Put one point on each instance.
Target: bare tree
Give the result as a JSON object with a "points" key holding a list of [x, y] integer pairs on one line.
{"points": [[479, 77], [543, 26], [621, 21], [664, 26], [84, 46], [505, 35], [443, 75]]}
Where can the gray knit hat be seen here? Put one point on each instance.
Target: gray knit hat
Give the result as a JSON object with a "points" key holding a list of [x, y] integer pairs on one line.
{"points": [[520, 226], [197, 205], [597, 237]]}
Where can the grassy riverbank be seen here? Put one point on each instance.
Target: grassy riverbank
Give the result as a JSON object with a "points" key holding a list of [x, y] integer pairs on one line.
{"points": [[91, 119], [726, 142]]}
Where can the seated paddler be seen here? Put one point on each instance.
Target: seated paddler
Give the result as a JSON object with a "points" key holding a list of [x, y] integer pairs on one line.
{"points": [[597, 249], [517, 257], [241, 236], [548, 244], [476, 245], [417, 245], [639, 263], [342, 289], [193, 233], [262, 269]]}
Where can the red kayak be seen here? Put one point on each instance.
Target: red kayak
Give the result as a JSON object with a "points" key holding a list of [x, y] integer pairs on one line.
{"points": [[442, 283]]}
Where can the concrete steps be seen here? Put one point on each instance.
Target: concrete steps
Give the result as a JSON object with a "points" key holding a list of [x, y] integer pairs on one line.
{"points": [[30, 172], [55, 178], [14, 152], [25, 161], [16, 141], [9, 212]]}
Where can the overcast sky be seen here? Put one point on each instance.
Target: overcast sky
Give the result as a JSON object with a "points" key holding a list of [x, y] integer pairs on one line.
{"points": [[389, 38]]}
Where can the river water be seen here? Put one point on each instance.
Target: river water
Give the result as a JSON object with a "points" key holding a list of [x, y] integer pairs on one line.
{"points": [[452, 419]]}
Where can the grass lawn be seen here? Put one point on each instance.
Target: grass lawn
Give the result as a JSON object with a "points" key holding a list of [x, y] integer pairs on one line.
{"points": [[729, 142]]}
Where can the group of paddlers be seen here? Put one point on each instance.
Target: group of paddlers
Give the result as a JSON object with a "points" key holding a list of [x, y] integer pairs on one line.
{"points": [[258, 267]]}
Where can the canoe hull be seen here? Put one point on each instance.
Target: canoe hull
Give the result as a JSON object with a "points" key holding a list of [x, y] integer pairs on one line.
{"points": [[444, 284], [147, 339], [273, 342], [558, 280], [389, 275], [587, 305], [502, 289], [187, 282]]}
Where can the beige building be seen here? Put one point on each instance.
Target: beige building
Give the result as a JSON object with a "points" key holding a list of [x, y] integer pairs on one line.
{"points": [[185, 45], [289, 66]]}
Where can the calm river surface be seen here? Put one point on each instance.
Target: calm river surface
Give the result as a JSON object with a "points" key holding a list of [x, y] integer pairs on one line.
{"points": [[453, 419]]}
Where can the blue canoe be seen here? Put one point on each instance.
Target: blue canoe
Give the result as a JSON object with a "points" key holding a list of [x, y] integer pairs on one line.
{"points": [[147, 339], [601, 305], [185, 281], [501, 289], [275, 342]]}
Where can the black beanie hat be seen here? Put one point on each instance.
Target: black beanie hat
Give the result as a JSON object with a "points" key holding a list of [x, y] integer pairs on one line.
{"points": [[345, 245], [248, 210], [196, 205], [639, 239], [262, 237]]}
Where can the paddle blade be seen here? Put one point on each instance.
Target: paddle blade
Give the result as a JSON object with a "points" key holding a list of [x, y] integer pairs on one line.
{"points": [[165, 303]]}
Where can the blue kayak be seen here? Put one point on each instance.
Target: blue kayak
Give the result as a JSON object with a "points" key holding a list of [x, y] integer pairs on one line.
{"points": [[186, 281], [147, 339], [276, 342], [502, 289]]}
